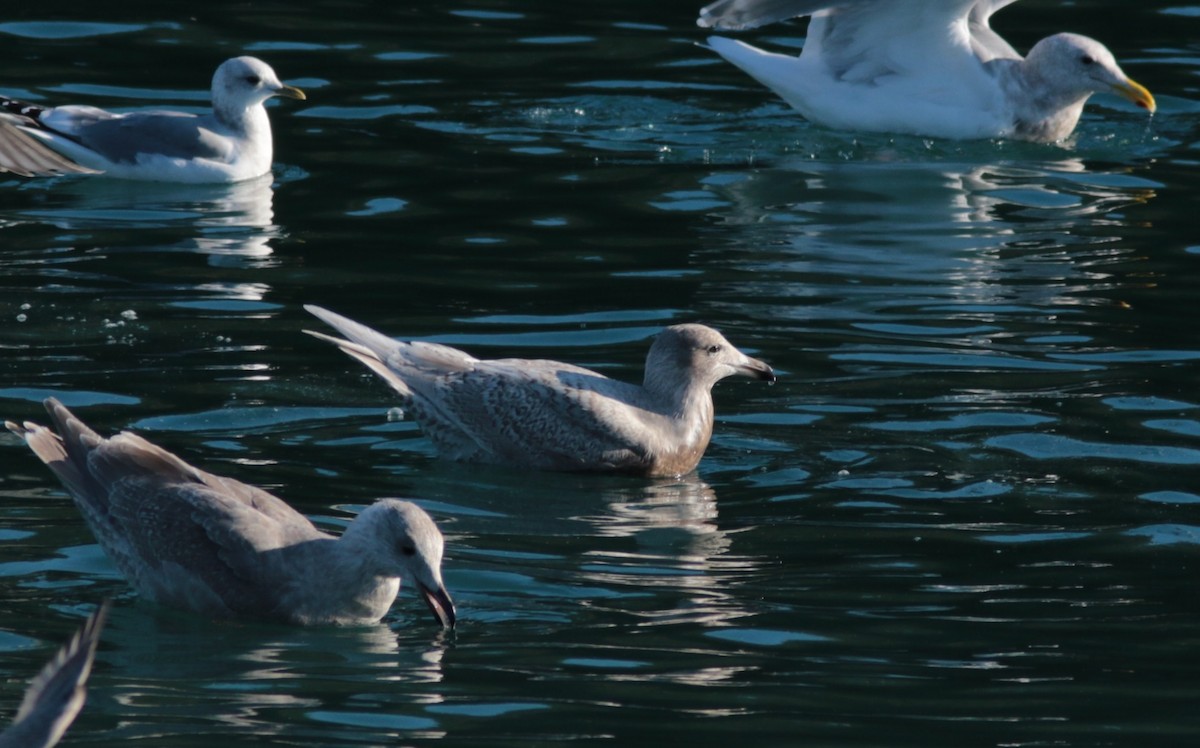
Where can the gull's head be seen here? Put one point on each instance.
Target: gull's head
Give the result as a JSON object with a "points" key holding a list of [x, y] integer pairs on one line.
{"points": [[409, 546], [243, 82], [1076, 67], [695, 353]]}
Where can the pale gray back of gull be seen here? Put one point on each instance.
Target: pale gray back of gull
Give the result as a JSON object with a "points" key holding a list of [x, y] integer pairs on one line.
{"points": [[198, 541], [58, 691], [924, 67], [554, 416], [231, 143]]}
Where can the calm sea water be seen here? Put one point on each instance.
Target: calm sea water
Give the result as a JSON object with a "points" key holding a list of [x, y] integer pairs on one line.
{"points": [[968, 514]]}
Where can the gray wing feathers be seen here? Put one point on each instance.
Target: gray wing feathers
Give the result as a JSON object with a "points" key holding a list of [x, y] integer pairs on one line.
{"points": [[170, 134], [739, 15], [535, 413], [24, 155], [369, 359], [159, 517], [57, 693], [985, 43], [395, 361]]}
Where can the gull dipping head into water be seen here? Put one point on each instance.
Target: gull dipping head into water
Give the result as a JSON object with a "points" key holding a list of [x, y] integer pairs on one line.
{"points": [[554, 416], [57, 692], [922, 67], [231, 143], [214, 545]]}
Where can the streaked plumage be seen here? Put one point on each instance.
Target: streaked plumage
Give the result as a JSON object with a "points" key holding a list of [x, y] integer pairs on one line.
{"points": [[193, 540], [555, 416]]}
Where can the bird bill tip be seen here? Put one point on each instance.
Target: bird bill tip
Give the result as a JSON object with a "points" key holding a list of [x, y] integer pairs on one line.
{"points": [[760, 370], [440, 605], [291, 92], [1138, 94]]}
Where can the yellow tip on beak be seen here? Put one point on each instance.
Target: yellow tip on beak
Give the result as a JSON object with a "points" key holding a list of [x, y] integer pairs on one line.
{"points": [[1136, 93], [291, 92]]}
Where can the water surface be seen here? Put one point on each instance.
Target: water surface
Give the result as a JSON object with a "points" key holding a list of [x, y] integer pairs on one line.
{"points": [[966, 514]]}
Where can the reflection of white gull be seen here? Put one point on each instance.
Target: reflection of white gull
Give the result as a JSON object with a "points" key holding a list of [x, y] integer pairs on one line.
{"points": [[237, 226], [555, 416], [232, 224], [933, 67], [231, 143], [57, 693], [194, 540]]}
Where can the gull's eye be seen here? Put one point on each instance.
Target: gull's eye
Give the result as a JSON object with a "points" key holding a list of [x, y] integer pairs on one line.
{"points": [[1087, 60], [253, 80], [714, 348], [408, 550]]}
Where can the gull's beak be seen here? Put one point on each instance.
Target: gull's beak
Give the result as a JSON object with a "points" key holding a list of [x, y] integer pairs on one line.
{"points": [[755, 369], [291, 92], [440, 605], [1136, 93]]}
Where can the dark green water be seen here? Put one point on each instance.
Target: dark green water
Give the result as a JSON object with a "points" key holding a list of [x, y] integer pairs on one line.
{"points": [[968, 514]]}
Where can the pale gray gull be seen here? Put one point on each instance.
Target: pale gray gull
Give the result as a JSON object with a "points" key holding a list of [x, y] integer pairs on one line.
{"points": [[231, 143], [57, 693], [554, 416], [922, 67], [193, 540]]}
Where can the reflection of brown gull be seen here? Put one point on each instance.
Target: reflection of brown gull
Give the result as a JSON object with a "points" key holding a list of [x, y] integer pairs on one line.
{"points": [[194, 540], [556, 416], [57, 693]]}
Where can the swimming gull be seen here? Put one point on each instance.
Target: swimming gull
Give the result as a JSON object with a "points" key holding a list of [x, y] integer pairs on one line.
{"points": [[194, 540], [229, 144], [58, 691], [923, 67], [555, 416]]}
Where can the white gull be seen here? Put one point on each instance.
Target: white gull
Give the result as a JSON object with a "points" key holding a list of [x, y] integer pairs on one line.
{"points": [[555, 416], [214, 545], [923, 67], [231, 143]]}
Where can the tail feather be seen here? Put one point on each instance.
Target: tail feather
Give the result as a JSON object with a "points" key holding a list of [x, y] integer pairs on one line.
{"points": [[368, 359], [393, 360]]}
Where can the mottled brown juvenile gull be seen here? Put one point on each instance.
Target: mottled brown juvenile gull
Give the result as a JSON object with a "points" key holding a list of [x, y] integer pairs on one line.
{"points": [[57, 693], [194, 540], [923, 67], [231, 143], [555, 416]]}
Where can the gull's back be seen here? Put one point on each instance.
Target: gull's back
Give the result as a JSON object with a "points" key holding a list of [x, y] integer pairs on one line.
{"points": [[180, 535]]}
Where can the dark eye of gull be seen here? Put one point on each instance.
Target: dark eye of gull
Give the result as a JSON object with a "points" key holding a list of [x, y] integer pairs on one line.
{"points": [[1087, 60], [408, 550], [714, 348], [253, 80]]}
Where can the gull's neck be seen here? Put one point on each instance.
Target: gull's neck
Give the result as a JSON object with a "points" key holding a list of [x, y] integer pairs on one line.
{"points": [[342, 580], [246, 120], [1041, 112], [687, 404]]}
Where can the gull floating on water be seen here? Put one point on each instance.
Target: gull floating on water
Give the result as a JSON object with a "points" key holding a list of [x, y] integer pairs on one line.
{"points": [[229, 144], [555, 416], [57, 692], [922, 67], [198, 541]]}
